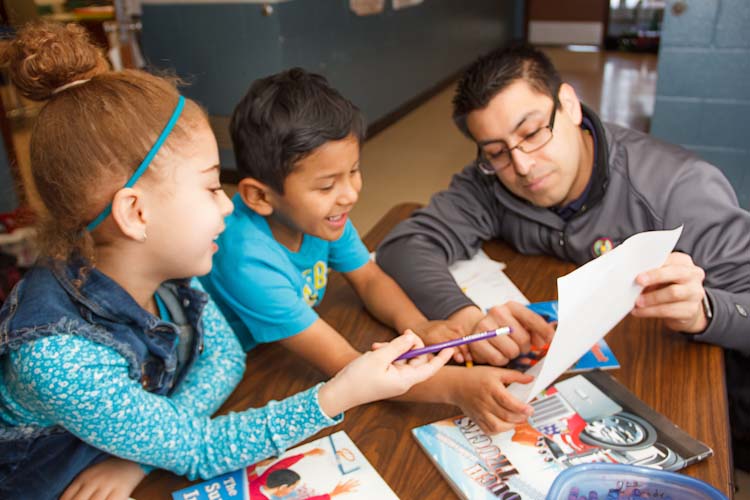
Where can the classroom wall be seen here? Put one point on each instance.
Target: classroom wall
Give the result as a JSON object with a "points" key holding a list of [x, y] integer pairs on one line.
{"points": [[380, 62], [703, 95], [8, 198]]}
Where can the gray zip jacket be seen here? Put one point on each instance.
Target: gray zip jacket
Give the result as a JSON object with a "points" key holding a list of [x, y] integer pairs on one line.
{"points": [[639, 184]]}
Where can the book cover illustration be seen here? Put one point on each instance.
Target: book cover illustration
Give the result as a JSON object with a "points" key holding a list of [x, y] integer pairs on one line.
{"points": [[588, 418], [329, 467]]}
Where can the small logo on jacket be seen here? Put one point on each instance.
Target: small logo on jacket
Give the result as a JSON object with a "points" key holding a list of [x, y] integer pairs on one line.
{"points": [[602, 246]]}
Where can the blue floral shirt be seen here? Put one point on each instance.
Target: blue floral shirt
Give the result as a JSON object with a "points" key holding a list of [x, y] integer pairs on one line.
{"points": [[84, 387]]}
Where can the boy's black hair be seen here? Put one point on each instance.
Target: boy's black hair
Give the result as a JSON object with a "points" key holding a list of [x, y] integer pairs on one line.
{"points": [[492, 73], [285, 117], [282, 477]]}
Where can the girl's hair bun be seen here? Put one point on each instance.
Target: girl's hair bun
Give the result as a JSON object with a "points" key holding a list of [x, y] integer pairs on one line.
{"points": [[45, 56]]}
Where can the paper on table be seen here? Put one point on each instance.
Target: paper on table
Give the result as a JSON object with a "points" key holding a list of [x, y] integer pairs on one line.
{"points": [[592, 300], [484, 282]]}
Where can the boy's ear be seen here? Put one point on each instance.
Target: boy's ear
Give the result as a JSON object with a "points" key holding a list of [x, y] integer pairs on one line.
{"points": [[256, 195], [130, 214]]}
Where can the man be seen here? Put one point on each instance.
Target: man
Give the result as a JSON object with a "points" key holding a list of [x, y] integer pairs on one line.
{"points": [[551, 178]]}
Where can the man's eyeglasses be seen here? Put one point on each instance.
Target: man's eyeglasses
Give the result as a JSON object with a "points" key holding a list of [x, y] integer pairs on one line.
{"points": [[490, 163]]}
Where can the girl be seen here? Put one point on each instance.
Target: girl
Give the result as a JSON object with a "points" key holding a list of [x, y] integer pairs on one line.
{"points": [[108, 350]]}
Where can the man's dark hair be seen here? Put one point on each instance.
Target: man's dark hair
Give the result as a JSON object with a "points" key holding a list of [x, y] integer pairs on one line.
{"points": [[491, 74], [281, 477], [285, 117]]}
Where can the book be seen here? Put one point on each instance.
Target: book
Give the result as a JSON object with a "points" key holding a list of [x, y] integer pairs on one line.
{"points": [[324, 468], [598, 357], [484, 282], [588, 418]]}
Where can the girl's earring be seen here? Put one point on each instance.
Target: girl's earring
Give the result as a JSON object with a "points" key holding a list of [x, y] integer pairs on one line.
{"points": [[143, 238]]}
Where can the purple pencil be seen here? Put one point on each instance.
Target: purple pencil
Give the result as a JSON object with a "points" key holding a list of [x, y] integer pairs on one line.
{"points": [[453, 343]]}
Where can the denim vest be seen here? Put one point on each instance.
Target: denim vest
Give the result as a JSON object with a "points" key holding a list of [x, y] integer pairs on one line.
{"points": [[38, 462]]}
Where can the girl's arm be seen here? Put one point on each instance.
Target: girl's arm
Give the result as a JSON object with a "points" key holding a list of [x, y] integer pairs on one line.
{"points": [[84, 387], [94, 398]]}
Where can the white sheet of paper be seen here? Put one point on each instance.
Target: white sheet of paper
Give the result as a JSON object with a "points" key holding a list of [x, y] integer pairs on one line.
{"points": [[592, 300], [484, 282]]}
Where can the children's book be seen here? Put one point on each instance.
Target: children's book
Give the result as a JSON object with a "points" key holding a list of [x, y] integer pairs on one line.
{"points": [[599, 357], [484, 282], [587, 418], [327, 467]]}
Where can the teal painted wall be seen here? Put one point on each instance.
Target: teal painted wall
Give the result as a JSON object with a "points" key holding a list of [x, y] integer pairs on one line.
{"points": [[380, 62], [703, 94]]}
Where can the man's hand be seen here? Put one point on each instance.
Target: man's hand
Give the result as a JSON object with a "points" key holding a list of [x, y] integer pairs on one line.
{"points": [[528, 328], [113, 479], [674, 292], [482, 396], [435, 332]]}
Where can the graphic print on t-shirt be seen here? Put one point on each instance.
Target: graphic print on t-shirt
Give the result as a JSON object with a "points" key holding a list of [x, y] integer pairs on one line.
{"points": [[316, 279]]}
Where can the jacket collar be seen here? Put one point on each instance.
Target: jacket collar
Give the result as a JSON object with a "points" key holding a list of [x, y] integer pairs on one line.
{"points": [[101, 295], [600, 172]]}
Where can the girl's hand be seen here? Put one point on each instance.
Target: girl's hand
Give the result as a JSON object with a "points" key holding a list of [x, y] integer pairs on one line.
{"points": [[374, 375], [112, 479]]}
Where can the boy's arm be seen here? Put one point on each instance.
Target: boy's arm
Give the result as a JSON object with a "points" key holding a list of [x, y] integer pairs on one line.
{"points": [[479, 392], [384, 298], [322, 346], [386, 301]]}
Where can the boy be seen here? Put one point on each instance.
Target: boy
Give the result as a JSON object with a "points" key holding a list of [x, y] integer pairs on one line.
{"points": [[297, 143]]}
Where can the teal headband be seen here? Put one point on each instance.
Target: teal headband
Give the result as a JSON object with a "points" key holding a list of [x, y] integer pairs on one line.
{"points": [[145, 163]]}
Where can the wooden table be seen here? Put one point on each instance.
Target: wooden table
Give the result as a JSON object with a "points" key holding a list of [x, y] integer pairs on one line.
{"points": [[680, 379]]}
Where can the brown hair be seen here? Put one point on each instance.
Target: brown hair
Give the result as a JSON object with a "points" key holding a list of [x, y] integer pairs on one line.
{"points": [[492, 73], [90, 136]]}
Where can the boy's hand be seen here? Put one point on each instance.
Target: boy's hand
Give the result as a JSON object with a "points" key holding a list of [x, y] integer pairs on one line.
{"points": [[374, 375], [113, 479], [674, 292], [434, 332], [528, 327], [482, 396]]}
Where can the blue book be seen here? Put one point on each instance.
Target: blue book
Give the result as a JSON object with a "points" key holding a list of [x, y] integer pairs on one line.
{"points": [[600, 357]]}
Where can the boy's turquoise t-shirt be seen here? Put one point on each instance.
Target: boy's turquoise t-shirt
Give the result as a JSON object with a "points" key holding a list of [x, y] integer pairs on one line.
{"points": [[267, 291]]}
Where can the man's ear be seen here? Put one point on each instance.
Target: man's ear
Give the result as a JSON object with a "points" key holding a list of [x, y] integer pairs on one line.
{"points": [[570, 103], [130, 213], [256, 195]]}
